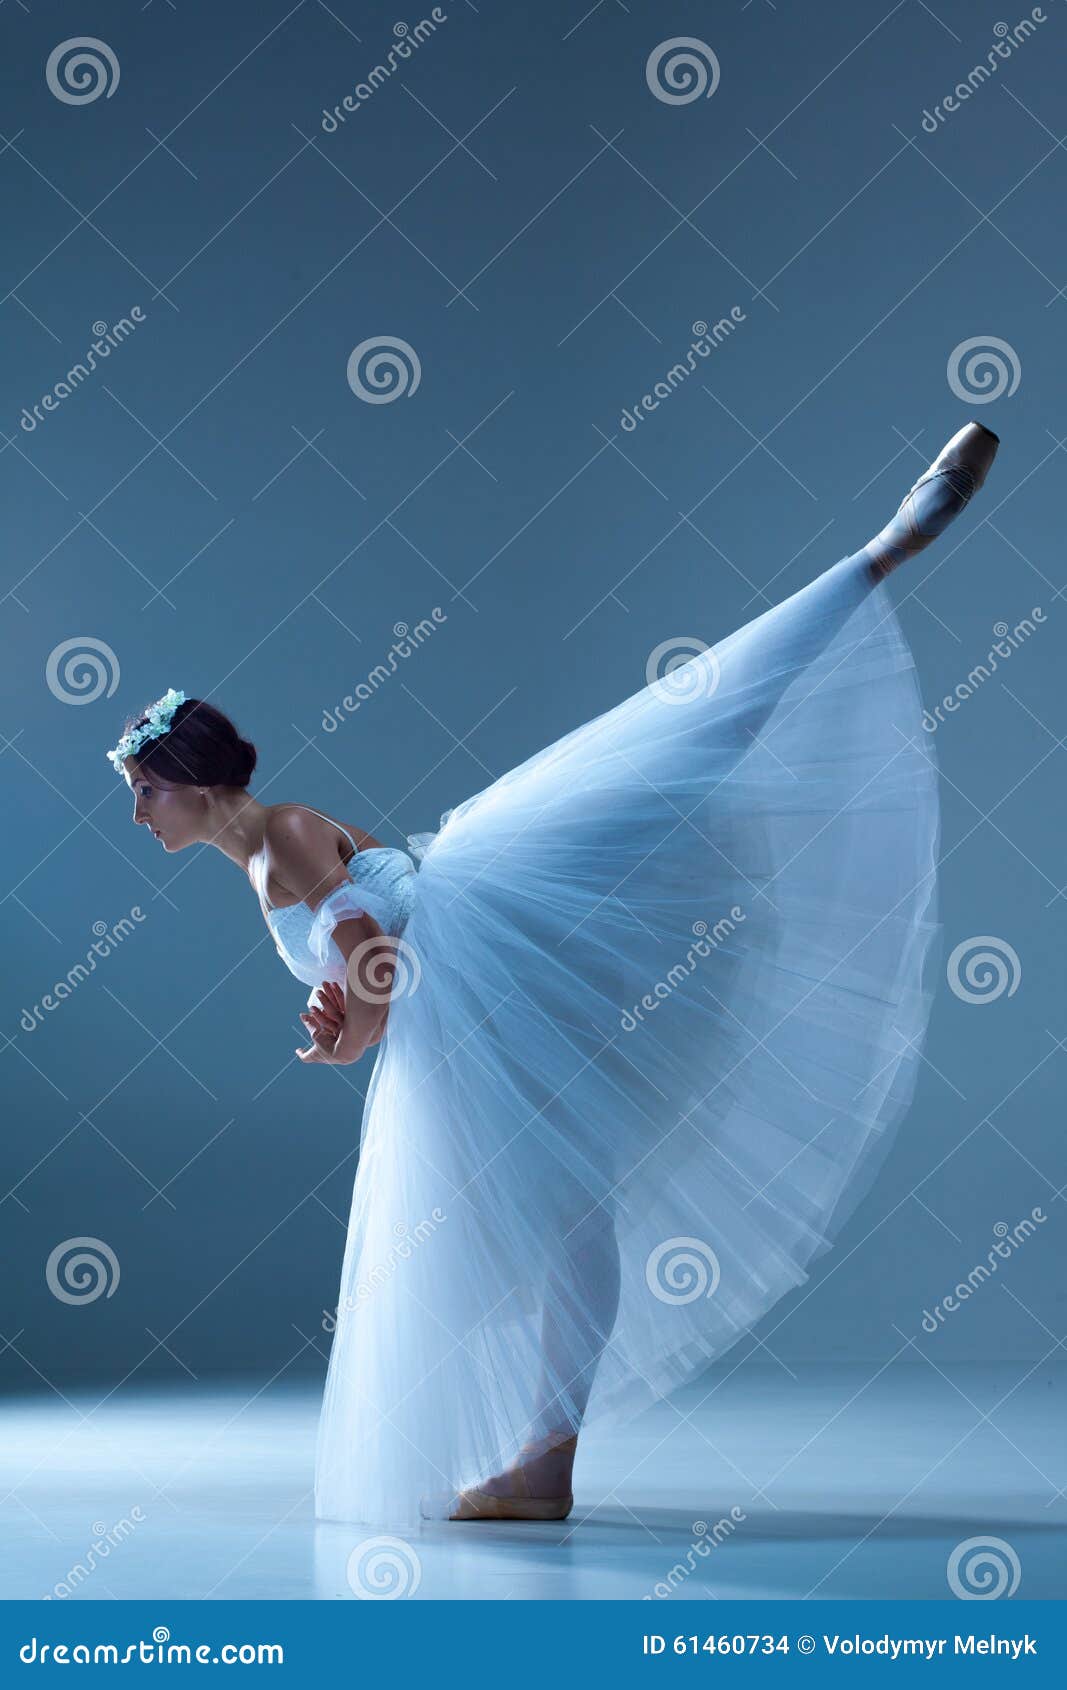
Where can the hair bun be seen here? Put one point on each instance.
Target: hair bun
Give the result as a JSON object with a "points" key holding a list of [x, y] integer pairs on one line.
{"points": [[246, 761], [201, 748]]}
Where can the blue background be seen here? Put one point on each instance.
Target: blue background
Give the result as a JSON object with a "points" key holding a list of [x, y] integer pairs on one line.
{"points": [[219, 508]]}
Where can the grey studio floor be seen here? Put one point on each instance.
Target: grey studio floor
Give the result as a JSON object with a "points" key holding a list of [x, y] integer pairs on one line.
{"points": [[833, 1483]]}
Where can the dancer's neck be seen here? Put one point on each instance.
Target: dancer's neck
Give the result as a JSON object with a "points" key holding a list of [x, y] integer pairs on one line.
{"points": [[236, 823]]}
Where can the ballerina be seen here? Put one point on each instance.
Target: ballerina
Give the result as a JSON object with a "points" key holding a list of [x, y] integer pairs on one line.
{"points": [[647, 1010]]}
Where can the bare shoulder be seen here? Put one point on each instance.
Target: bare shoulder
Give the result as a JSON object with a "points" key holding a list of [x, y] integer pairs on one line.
{"points": [[306, 854], [295, 824]]}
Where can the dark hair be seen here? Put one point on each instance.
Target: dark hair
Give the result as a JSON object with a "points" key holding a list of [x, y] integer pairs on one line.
{"points": [[200, 748]]}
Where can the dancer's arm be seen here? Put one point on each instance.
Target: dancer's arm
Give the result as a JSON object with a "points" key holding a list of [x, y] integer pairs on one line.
{"points": [[344, 1022], [370, 959], [303, 858]]}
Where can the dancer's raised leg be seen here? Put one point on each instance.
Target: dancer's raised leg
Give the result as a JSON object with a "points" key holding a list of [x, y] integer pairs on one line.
{"points": [[582, 1287], [757, 672]]}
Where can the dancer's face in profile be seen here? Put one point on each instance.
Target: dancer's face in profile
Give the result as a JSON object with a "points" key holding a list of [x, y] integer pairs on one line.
{"points": [[175, 814]]}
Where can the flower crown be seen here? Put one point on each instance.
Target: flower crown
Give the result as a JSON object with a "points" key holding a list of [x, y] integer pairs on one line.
{"points": [[158, 719]]}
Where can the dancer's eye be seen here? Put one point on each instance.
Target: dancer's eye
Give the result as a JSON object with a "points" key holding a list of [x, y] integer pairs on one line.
{"points": [[145, 790]]}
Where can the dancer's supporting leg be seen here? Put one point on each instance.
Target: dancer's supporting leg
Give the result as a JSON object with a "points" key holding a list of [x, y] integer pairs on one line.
{"points": [[581, 1302]]}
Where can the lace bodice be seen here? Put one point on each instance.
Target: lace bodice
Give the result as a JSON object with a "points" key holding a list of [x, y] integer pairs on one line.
{"points": [[381, 883]]}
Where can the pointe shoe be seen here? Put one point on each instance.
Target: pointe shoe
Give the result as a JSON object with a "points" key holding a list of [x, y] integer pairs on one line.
{"points": [[937, 497], [475, 1504]]}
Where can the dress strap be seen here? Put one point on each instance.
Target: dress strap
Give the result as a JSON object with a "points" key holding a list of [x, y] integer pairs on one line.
{"points": [[330, 819]]}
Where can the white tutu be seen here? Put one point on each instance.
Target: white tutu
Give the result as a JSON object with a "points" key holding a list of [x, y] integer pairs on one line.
{"points": [[659, 1002]]}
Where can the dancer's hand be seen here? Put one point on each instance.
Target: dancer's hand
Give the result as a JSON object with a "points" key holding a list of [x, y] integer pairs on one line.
{"points": [[324, 1018], [323, 1053], [325, 1013]]}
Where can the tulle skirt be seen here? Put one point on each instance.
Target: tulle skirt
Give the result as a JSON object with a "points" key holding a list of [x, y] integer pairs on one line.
{"points": [[657, 1010]]}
